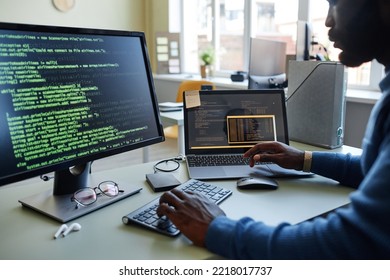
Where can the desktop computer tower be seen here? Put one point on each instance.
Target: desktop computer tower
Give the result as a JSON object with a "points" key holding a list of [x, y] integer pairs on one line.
{"points": [[316, 102]]}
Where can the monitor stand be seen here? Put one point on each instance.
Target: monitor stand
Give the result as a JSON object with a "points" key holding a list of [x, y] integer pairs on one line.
{"points": [[57, 204], [62, 209]]}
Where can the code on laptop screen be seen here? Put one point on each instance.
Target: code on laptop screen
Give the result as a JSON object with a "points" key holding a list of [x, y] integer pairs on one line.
{"points": [[236, 119]]}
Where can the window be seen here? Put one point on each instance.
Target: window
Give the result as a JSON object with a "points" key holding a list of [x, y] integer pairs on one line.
{"points": [[229, 39], [275, 20], [226, 26]]}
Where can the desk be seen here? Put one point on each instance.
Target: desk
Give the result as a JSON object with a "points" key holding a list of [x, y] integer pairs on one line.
{"points": [[26, 234]]}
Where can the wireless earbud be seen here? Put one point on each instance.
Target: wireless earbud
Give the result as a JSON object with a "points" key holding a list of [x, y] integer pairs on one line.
{"points": [[60, 230], [72, 227]]}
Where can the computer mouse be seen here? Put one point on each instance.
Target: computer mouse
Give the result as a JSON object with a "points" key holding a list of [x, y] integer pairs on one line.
{"points": [[257, 183]]}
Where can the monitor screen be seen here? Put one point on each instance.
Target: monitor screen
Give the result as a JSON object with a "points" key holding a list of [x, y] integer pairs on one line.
{"points": [[69, 96], [267, 63]]}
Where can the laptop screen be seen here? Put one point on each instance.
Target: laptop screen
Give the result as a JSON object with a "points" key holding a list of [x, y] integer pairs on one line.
{"points": [[232, 121]]}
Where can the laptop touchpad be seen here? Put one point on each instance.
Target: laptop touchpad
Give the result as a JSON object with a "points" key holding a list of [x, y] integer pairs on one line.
{"points": [[207, 172]]}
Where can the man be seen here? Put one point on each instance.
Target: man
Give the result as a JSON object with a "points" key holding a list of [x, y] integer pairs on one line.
{"points": [[360, 29]]}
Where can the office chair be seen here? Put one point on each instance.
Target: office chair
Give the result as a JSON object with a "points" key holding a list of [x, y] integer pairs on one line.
{"points": [[172, 131]]}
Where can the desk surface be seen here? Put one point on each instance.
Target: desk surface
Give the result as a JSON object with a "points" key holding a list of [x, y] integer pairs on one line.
{"points": [[26, 234]]}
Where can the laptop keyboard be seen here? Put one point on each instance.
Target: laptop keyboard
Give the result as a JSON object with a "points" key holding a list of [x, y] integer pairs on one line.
{"points": [[218, 160], [146, 215]]}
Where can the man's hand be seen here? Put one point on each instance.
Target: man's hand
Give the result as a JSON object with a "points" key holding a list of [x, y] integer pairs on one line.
{"points": [[276, 152], [191, 213]]}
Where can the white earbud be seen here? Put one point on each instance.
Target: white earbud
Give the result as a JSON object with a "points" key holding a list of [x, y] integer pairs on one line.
{"points": [[60, 230], [72, 227]]}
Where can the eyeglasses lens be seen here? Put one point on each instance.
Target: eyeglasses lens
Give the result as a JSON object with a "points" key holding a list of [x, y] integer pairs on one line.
{"points": [[85, 196], [109, 188]]}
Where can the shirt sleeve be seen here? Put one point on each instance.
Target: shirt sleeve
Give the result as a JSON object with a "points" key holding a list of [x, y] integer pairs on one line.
{"points": [[343, 235], [344, 168]]}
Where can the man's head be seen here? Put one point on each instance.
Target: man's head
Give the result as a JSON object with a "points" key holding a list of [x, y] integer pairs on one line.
{"points": [[360, 29]]}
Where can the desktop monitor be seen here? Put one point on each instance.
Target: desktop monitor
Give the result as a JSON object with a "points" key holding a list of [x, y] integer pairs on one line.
{"points": [[267, 63], [69, 96]]}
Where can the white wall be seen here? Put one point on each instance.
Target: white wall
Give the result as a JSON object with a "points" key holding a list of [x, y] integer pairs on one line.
{"points": [[106, 14]]}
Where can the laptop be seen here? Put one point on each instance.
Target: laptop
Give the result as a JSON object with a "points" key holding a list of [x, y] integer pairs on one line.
{"points": [[223, 124]]}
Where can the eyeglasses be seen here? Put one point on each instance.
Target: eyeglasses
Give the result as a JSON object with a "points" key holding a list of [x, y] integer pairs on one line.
{"points": [[87, 196]]}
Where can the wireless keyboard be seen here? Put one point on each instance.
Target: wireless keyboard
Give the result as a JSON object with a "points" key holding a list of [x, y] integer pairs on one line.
{"points": [[146, 215]]}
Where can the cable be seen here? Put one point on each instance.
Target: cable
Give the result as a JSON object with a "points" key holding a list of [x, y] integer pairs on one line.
{"points": [[171, 164], [302, 83], [46, 177]]}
